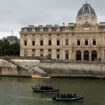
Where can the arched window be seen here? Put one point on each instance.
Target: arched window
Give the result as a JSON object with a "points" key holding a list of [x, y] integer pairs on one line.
{"points": [[33, 43], [78, 56], [41, 42], [49, 43], [94, 55], [58, 42], [86, 55], [25, 42]]}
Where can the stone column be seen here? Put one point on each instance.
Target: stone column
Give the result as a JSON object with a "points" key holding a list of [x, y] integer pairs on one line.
{"points": [[90, 56], [37, 52], [21, 52], [37, 41], [29, 41], [82, 56], [61, 54], [70, 54], [73, 55], [54, 54], [45, 52], [29, 52], [103, 55]]}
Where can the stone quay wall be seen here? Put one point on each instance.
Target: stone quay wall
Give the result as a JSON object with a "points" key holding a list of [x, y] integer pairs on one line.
{"points": [[15, 68], [74, 69], [29, 67], [7, 69]]}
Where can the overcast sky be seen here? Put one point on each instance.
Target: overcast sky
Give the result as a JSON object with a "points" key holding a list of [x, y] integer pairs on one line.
{"points": [[15, 14]]}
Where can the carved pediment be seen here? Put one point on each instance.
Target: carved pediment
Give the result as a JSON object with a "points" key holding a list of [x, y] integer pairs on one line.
{"points": [[86, 24]]}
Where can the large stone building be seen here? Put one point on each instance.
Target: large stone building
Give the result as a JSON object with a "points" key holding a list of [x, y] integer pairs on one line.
{"points": [[80, 41]]}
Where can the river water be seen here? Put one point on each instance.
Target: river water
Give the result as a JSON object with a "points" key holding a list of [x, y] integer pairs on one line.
{"points": [[17, 91]]}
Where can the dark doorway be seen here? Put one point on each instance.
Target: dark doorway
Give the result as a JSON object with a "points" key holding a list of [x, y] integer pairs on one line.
{"points": [[94, 55], [86, 56], [78, 56]]}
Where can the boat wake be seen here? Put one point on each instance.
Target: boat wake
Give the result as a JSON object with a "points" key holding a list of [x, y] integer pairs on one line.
{"points": [[47, 99], [32, 98]]}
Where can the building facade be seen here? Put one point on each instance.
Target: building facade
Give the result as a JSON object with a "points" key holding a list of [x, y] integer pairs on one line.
{"points": [[80, 41]]}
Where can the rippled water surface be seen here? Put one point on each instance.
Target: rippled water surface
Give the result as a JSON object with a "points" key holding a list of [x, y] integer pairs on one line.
{"points": [[17, 91]]}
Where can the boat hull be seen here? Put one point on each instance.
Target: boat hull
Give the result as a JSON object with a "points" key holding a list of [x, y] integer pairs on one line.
{"points": [[45, 91], [68, 99]]}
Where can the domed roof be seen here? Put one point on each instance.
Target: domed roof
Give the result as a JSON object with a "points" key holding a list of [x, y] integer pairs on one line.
{"points": [[86, 9]]}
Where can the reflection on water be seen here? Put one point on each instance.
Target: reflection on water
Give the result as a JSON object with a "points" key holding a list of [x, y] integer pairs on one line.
{"points": [[17, 91]]}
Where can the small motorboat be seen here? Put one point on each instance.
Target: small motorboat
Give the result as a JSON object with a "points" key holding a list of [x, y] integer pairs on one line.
{"points": [[45, 89], [67, 98], [40, 77]]}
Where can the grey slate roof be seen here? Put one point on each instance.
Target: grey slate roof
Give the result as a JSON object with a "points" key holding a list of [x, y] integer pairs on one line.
{"points": [[86, 9]]}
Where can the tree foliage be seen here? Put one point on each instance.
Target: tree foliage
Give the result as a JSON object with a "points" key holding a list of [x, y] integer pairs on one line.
{"points": [[7, 49]]}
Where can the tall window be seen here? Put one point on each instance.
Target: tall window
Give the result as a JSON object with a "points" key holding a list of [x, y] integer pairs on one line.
{"points": [[58, 56], [78, 42], [33, 52], [41, 52], [66, 54], [41, 42], [25, 42], [58, 42], [49, 53], [49, 50], [49, 42], [78, 56], [58, 50], [33, 43], [86, 42], [67, 42], [25, 52], [94, 41]]}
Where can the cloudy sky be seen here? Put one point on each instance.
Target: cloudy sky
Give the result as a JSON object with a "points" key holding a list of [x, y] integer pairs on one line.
{"points": [[15, 14]]}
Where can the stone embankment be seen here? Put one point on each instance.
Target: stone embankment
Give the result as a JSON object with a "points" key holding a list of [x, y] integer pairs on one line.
{"points": [[24, 68], [29, 67], [74, 69]]}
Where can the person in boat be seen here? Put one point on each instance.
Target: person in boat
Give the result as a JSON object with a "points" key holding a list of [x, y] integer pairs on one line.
{"points": [[58, 95], [75, 95], [46, 88], [66, 95]]}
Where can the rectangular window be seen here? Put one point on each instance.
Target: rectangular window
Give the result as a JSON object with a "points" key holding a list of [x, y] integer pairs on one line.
{"points": [[49, 55], [58, 50], [66, 54], [58, 34], [41, 55], [58, 56], [78, 42], [49, 50], [33, 52], [67, 42], [25, 52], [25, 42], [41, 42], [49, 34], [86, 42], [41, 51], [94, 41]]}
